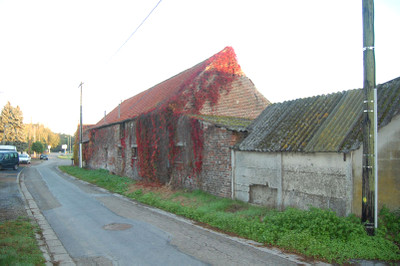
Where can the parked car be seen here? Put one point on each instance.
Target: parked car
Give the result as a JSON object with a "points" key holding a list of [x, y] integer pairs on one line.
{"points": [[24, 158], [9, 159], [44, 157]]}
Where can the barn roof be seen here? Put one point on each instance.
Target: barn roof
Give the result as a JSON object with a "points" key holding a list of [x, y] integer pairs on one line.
{"points": [[325, 123], [239, 98]]}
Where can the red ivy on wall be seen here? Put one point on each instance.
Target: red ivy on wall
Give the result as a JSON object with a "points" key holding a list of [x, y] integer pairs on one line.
{"points": [[96, 136], [156, 131]]}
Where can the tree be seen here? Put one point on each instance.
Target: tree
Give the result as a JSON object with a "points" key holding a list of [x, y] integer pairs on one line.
{"points": [[64, 139], [38, 132], [11, 124], [76, 147], [54, 139], [38, 147]]}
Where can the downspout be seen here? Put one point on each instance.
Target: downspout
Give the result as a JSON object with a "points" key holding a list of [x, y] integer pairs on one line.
{"points": [[280, 178], [233, 179], [376, 154], [350, 180]]}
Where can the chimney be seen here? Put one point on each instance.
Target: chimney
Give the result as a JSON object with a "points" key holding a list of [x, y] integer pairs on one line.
{"points": [[105, 117]]}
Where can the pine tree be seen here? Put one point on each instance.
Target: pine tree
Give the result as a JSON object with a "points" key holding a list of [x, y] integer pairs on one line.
{"points": [[11, 124]]}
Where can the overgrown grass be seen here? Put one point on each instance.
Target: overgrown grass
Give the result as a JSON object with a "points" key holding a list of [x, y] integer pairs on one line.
{"points": [[101, 178], [316, 233], [18, 244], [65, 156]]}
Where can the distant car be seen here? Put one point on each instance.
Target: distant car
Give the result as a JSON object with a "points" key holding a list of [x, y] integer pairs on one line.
{"points": [[9, 159], [24, 158], [44, 157]]}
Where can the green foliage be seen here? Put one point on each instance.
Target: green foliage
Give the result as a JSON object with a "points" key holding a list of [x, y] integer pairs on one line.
{"points": [[64, 139], [18, 244], [389, 223], [320, 223], [315, 233], [41, 133], [38, 147], [101, 178], [67, 156], [76, 147]]}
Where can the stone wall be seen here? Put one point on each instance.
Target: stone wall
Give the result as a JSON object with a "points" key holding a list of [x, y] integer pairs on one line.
{"points": [[280, 180], [116, 156], [216, 174], [322, 180], [110, 153]]}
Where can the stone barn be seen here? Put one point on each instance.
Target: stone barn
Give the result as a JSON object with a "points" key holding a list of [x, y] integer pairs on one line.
{"points": [[307, 152], [181, 131]]}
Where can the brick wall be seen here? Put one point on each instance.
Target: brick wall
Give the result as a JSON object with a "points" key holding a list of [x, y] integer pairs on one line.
{"points": [[109, 153], [215, 176], [243, 100], [216, 173]]}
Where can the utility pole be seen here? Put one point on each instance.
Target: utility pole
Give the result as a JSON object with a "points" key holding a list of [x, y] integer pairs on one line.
{"points": [[369, 171], [80, 131]]}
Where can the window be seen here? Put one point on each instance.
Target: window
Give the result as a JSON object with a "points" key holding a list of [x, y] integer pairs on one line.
{"points": [[180, 146], [134, 152]]}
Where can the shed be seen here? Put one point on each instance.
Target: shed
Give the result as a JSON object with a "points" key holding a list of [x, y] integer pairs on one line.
{"points": [[307, 152]]}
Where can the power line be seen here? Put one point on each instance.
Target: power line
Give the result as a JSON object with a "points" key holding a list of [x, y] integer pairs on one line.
{"points": [[137, 27]]}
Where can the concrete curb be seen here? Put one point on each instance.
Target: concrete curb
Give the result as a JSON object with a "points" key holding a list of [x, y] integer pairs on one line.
{"points": [[52, 248]]}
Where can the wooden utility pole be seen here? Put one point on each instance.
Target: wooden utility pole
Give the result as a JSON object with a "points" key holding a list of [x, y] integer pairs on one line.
{"points": [[369, 151]]}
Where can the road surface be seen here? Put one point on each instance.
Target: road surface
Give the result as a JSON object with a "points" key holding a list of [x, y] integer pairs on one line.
{"points": [[99, 228]]}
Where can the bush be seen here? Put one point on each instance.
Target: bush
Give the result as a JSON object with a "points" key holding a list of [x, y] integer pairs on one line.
{"points": [[389, 223]]}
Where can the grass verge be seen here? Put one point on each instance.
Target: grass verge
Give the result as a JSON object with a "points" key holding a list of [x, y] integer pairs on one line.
{"points": [[18, 244], [66, 156], [315, 233]]}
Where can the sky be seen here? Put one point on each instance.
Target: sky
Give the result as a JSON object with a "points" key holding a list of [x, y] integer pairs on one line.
{"points": [[289, 49]]}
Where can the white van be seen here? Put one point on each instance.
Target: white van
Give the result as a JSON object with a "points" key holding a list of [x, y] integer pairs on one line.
{"points": [[8, 148]]}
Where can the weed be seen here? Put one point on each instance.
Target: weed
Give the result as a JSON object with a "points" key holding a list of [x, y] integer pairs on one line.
{"points": [[390, 224], [18, 244]]}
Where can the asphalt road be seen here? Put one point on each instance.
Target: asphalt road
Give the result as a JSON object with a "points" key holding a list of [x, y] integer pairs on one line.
{"points": [[100, 228]]}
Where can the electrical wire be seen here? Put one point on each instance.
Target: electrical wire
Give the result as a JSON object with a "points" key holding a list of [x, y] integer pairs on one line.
{"points": [[137, 28]]}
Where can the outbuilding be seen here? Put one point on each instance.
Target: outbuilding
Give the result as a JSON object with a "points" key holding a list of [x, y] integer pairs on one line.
{"points": [[307, 152]]}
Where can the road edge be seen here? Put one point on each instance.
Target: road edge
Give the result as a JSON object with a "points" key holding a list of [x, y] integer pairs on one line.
{"points": [[53, 250]]}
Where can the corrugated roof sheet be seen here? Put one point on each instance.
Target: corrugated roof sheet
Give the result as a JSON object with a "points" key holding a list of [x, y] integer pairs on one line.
{"points": [[325, 123]]}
